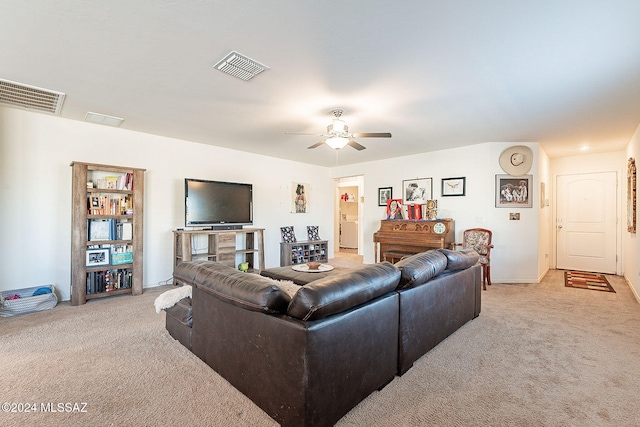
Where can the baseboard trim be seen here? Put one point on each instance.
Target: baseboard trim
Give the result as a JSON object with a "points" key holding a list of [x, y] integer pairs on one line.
{"points": [[544, 273], [633, 290]]}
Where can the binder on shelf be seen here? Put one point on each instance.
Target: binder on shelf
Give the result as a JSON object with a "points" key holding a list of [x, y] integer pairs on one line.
{"points": [[126, 231]]}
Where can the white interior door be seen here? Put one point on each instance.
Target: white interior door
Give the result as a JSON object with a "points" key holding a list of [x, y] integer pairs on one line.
{"points": [[586, 222]]}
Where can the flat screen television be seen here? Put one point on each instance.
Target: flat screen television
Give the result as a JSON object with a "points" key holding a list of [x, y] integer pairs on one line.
{"points": [[217, 204]]}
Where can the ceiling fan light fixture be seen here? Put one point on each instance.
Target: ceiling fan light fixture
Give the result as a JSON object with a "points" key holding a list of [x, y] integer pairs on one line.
{"points": [[339, 126], [337, 142]]}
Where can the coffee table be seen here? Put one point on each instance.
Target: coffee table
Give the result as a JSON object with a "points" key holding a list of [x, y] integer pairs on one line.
{"points": [[304, 268], [299, 277]]}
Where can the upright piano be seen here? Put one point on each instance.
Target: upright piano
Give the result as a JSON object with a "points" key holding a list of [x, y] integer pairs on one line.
{"points": [[398, 238]]}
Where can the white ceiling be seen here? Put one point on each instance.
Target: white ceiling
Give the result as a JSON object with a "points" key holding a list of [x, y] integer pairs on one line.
{"points": [[436, 74]]}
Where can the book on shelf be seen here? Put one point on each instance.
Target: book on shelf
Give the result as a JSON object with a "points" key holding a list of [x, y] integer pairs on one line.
{"points": [[108, 205], [121, 254], [108, 280], [114, 182], [109, 229], [124, 231]]}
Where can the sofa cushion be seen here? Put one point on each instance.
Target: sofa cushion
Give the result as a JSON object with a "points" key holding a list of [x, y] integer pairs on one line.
{"points": [[459, 260], [245, 290], [340, 292], [419, 268]]}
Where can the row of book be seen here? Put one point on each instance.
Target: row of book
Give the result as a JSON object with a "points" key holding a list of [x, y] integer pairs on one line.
{"points": [[109, 205], [110, 280], [109, 229], [119, 182]]}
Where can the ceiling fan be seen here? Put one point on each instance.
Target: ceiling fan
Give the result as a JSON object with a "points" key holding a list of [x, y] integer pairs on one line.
{"points": [[338, 134]]}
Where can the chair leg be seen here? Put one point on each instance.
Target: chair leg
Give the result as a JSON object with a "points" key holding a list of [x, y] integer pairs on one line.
{"points": [[488, 267], [484, 277]]}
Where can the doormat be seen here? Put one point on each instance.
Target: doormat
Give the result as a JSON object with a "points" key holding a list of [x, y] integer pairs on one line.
{"points": [[582, 280]]}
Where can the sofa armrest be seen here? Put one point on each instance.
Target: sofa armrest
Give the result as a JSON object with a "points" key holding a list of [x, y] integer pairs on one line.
{"points": [[249, 291]]}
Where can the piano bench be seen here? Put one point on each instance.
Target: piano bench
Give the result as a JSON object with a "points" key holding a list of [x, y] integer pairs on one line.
{"points": [[395, 256]]}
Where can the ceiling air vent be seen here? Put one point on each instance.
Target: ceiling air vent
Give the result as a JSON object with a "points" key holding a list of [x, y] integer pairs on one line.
{"points": [[30, 97], [240, 66], [103, 119]]}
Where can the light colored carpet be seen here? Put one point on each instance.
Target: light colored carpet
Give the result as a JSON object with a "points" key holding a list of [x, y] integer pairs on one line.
{"points": [[538, 355]]}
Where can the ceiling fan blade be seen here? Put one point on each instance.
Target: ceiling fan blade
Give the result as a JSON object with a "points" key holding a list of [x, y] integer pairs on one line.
{"points": [[317, 144], [355, 145], [372, 135], [303, 133]]}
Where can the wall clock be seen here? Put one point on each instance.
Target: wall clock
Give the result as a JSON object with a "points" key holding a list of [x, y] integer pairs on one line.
{"points": [[439, 228]]}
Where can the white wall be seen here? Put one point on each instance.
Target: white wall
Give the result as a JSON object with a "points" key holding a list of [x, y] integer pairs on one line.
{"points": [[630, 240], [545, 209], [516, 242], [35, 196], [35, 193]]}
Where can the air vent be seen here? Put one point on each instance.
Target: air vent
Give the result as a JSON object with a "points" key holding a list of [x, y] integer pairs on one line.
{"points": [[103, 119], [30, 97], [240, 66]]}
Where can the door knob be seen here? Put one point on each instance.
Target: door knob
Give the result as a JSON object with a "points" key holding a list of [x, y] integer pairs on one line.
{"points": [[559, 226]]}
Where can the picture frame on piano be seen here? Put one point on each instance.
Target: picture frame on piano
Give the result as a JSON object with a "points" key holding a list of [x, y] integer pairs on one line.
{"points": [[417, 190]]}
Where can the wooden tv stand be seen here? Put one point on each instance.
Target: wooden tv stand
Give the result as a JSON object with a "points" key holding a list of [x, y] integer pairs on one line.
{"points": [[224, 246]]}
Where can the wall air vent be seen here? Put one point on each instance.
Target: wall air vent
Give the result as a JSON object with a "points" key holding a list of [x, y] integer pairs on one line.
{"points": [[240, 66], [30, 97]]}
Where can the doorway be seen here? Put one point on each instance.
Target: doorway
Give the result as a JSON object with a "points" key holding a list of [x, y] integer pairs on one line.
{"points": [[586, 226], [348, 217]]}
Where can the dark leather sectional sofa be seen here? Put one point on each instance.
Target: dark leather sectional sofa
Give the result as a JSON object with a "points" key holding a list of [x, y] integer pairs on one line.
{"points": [[309, 360]]}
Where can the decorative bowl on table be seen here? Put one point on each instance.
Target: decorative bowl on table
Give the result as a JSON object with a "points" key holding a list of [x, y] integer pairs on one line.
{"points": [[313, 265]]}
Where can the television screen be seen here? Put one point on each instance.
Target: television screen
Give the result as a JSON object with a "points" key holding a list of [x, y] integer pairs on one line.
{"points": [[214, 203]]}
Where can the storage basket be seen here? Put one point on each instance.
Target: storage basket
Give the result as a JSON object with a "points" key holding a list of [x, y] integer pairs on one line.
{"points": [[27, 302]]}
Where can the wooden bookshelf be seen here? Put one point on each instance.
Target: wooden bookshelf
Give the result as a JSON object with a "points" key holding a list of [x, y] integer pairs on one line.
{"points": [[106, 232]]}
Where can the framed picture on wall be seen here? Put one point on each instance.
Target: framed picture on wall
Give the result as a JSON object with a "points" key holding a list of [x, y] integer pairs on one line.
{"points": [[417, 190], [631, 195], [384, 194], [513, 191], [453, 186], [299, 197]]}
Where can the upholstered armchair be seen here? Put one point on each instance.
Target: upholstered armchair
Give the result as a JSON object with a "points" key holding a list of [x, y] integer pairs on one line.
{"points": [[479, 239]]}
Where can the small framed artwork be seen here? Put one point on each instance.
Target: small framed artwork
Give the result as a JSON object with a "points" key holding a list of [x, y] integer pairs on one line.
{"points": [[453, 186], [299, 197], [98, 257], [384, 194], [631, 195], [513, 191], [417, 190]]}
